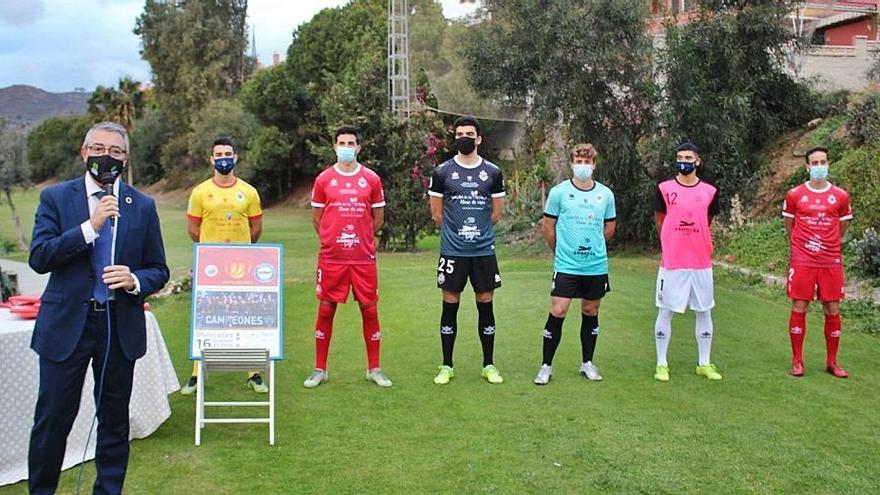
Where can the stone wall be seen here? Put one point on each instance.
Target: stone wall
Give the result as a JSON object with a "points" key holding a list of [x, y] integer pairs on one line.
{"points": [[838, 67]]}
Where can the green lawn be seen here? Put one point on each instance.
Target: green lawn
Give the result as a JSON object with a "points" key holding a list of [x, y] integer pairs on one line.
{"points": [[757, 431]]}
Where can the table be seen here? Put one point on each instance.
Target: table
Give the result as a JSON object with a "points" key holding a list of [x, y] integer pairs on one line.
{"points": [[154, 379]]}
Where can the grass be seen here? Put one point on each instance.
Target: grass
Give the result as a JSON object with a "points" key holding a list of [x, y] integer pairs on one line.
{"points": [[757, 431]]}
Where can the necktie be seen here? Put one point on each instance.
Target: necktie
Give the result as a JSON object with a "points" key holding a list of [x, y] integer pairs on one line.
{"points": [[101, 253]]}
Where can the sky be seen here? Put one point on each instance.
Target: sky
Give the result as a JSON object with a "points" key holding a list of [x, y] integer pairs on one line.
{"points": [[60, 45]]}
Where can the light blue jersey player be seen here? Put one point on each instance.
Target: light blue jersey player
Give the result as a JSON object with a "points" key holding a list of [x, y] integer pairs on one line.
{"points": [[579, 218], [467, 198]]}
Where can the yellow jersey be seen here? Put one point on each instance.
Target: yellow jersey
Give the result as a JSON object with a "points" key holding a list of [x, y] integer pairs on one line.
{"points": [[225, 212]]}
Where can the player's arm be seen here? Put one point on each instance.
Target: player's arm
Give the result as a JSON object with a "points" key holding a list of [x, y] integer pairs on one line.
{"points": [[193, 224], [194, 214], [659, 216], [317, 214], [789, 226], [788, 212], [436, 209], [548, 228], [610, 228], [256, 225], [497, 209], [378, 218], [659, 210], [845, 207]]}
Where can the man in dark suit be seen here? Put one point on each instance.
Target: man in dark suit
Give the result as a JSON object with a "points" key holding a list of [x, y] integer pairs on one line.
{"points": [[105, 255]]}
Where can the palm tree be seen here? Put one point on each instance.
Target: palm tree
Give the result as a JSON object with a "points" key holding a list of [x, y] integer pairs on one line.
{"points": [[123, 105]]}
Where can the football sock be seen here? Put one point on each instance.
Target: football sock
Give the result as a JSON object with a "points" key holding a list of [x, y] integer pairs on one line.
{"points": [[486, 329], [589, 334], [372, 334], [323, 334], [703, 331], [797, 331], [662, 334], [832, 337], [552, 336], [448, 324]]}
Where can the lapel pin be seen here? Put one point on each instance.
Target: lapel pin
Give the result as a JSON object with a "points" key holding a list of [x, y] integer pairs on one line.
{"points": [[128, 200]]}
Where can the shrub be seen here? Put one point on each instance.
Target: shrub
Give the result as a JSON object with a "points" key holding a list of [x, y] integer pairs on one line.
{"points": [[859, 174], [867, 251], [864, 119], [761, 246], [827, 135]]}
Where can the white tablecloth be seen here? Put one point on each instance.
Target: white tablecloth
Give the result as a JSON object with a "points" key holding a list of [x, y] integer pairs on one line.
{"points": [[154, 379]]}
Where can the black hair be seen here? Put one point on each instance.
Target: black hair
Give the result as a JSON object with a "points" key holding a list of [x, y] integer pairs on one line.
{"points": [[223, 141], [463, 121], [814, 150], [688, 146], [347, 129]]}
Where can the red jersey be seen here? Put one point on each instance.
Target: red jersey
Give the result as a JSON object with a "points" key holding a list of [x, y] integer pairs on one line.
{"points": [[815, 238], [346, 228]]}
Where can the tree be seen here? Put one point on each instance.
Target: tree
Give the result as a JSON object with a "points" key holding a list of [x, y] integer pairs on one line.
{"points": [[220, 118], [280, 151], [150, 134], [725, 88], [196, 50], [580, 66], [122, 105], [13, 170], [53, 147]]}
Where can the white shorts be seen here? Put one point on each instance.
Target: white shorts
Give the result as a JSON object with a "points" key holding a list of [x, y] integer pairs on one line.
{"points": [[679, 289]]}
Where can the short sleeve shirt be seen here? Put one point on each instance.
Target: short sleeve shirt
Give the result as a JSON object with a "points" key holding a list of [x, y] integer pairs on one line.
{"points": [[815, 238], [467, 193], [580, 227], [225, 212], [346, 230]]}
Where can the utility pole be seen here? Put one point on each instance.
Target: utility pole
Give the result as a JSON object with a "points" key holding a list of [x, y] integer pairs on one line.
{"points": [[398, 59]]}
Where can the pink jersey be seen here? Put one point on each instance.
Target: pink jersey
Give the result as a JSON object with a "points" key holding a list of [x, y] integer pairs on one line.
{"points": [[346, 228], [685, 238], [815, 238]]}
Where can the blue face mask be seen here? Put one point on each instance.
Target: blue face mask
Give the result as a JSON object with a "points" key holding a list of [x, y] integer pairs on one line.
{"points": [[819, 172], [686, 168], [224, 165], [581, 171], [345, 155]]}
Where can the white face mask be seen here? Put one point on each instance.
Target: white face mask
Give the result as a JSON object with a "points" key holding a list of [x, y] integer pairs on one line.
{"points": [[582, 171]]}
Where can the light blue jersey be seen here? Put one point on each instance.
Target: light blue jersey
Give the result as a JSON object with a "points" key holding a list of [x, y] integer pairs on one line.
{"points": [[580, 227]]}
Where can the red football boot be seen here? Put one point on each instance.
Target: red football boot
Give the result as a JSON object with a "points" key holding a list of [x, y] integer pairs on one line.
{"points": [[797, 368], [836, 370]]}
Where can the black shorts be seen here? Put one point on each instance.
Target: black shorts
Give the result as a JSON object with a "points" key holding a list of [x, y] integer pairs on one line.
{"points": [[589, 287], [453, 273]]}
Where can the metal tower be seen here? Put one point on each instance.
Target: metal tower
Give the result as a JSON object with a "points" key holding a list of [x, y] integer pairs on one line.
{"points": [[398, 58]]}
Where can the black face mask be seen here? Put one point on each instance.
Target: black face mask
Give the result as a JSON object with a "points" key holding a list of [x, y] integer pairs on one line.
{"points": [[465, 145], [104, 168]]}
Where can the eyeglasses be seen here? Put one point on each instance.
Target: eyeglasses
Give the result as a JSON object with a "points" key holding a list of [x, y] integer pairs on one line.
{"points": [[114, 151]]}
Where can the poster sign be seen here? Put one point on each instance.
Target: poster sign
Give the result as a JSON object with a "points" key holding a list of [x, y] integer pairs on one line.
{"points": [[237, 298]]}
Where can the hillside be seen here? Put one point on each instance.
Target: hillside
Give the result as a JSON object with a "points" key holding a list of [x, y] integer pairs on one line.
{"points": [[30, 105]]}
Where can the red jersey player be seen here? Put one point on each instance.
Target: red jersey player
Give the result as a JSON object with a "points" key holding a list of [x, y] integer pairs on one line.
{"points": [[347, 209], [816, 216]]}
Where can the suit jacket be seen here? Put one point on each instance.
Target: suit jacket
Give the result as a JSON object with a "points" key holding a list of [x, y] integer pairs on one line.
{"points": [[58, 246]]}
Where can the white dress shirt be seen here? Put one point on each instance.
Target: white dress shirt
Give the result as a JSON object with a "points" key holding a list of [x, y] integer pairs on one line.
{"points": [[89, 234]]}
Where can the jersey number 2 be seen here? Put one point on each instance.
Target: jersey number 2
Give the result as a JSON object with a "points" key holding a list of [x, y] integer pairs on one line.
{"points": [[448, 268]]}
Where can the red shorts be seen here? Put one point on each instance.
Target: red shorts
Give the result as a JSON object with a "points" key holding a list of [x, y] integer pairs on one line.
{"points": [[804, 280], [333, 280]]}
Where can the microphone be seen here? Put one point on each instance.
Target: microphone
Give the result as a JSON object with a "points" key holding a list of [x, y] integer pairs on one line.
{"points": [[107, 180]]}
